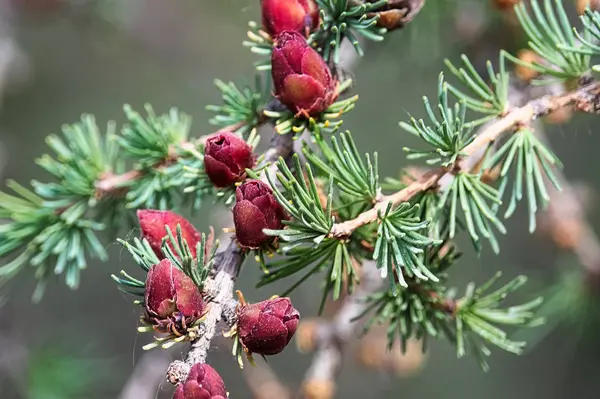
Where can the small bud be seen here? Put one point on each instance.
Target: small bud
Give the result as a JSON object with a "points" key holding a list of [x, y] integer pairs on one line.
{"points": [[153, 222], [267, 327], [203, 382], [293, 15], [256, 209], [172, 300], [302, 79], [391, 19], [396, 13], [226, 157], [581, 5]]}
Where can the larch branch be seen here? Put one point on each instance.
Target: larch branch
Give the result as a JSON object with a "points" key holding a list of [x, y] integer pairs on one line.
{"points": [[584, 98]]}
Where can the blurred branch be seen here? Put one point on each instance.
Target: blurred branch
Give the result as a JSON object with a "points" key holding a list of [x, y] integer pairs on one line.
{"points": [[14, 65], [332, 337], [564, 220], [148, 373], [372, 352], [13, 354]]}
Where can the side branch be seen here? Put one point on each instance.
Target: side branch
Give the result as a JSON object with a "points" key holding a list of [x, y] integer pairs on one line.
{"points": [[332, 337], [111, 183], [584, 98]]}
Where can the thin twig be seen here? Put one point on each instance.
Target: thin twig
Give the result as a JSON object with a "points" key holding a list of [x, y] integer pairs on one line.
{"points": [[148, 373], [584, 98]]}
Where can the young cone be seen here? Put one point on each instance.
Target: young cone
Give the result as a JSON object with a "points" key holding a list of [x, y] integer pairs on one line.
{"points": [[295, 15], [302, 79], [267, 327], [203, 382], [153, 222], [226, 158], [172, 300]]}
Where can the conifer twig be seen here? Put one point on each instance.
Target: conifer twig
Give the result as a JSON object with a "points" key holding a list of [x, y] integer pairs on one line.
{"points": [[584, 98], [221, 285], [332, 336], [111, 183]]}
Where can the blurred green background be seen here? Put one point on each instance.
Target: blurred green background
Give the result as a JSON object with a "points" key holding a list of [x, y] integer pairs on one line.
{"points": [[94, 56]]}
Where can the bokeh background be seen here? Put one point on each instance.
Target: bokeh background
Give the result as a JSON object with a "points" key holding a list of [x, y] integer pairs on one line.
{"points": [[59, 59]]}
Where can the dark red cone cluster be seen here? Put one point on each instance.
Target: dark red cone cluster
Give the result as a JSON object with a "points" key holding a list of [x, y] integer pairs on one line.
{"points": [[172, 300], [226, 157], [203, 382], [256, 209], [302, 79], [153, 222], [295, 15], [268, 326]]}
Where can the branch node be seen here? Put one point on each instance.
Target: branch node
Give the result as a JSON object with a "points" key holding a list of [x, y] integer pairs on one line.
{"points": [[177, 372]]}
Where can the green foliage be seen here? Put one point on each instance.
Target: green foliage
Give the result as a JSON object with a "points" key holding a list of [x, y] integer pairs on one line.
{"points": [[81, 157], [342, 161], [55, 226], [151, 141], [587, 40], [553, 39], [489, 98], [197, 268], [306, 241], [431, 211], [479, 314], [342, 20], [260, 43], [427, 310], [448, 136], [474, 198], [532, 162], [242, 109], [420, 310], [400, 244]]}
